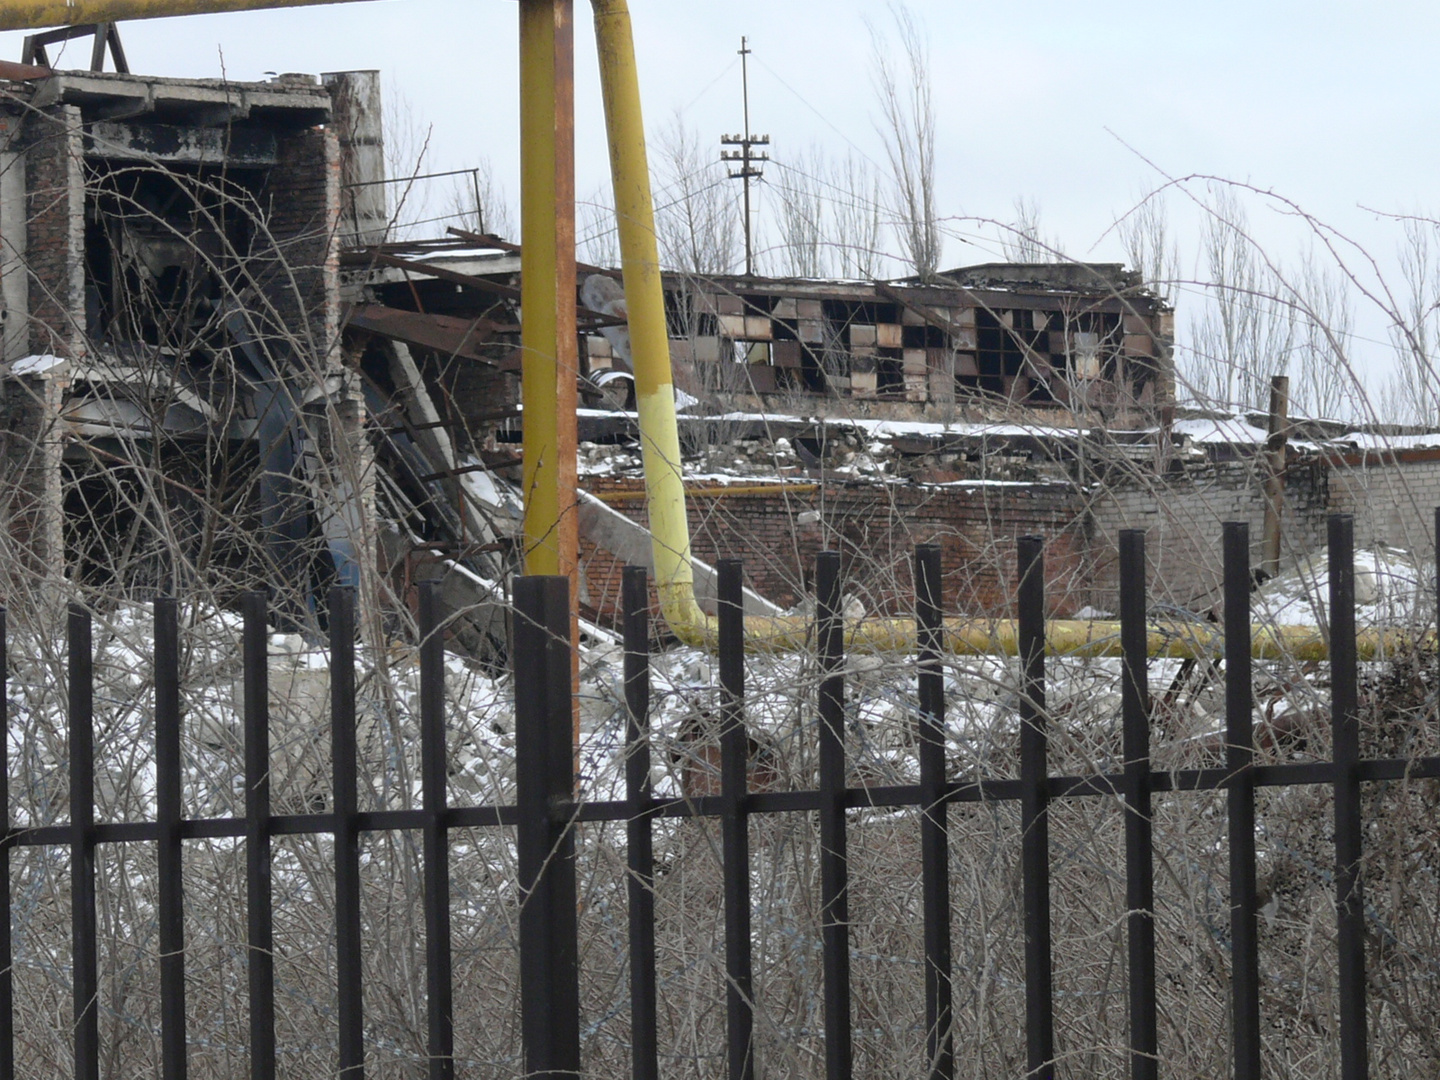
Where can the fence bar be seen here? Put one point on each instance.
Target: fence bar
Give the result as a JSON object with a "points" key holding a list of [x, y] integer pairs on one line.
{"points": [[1034, 813], [1139, 852], [1345, 728], [7, 985], [639, 837], [934, 822], [834, 876], [545, 778], [1240, 804], [259, 911], [169, 857], [82, 848], [735, 824], [439, 985], [350, 1051]]}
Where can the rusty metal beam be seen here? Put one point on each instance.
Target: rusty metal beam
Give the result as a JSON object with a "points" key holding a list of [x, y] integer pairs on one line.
{"points": [[371, 257], [35, 14], [443, 334], [23, 72]]}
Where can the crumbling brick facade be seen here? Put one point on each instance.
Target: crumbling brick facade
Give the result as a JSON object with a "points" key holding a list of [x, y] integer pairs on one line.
{"points": [[55, 246], [301, 198], [876, 528]]}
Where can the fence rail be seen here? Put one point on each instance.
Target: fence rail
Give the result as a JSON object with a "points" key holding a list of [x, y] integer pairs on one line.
{"points": [[545, 814]]}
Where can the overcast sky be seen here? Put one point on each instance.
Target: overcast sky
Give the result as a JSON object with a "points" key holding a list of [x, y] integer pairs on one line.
{"points": [[1331, 104]]}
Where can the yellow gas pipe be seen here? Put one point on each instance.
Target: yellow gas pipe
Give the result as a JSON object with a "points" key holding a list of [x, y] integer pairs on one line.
{"points": [[660, 445], [34, 14], [649, 336], [655, 391]]}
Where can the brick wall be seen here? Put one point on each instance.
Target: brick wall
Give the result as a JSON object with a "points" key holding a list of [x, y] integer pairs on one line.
{"points": [[55, 183], [301, 198], [875, 527], [1183, 517], [1392, 497]]}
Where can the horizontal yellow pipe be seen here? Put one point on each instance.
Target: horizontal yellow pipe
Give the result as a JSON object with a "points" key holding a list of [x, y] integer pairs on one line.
{"points": [[728, 491], [1063, 637], [664, 487], [35, 14]]}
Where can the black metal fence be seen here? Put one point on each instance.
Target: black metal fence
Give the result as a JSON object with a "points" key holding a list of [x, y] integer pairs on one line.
{"points": [[546, 812]]}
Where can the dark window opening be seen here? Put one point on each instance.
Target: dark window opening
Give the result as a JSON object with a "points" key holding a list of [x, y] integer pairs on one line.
{"points": [[889, 375], [1004, 340], [162, 247]]}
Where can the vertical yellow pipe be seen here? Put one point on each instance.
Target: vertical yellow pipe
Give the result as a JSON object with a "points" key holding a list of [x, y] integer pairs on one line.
{"points": [[645, 301], [547, 302]]}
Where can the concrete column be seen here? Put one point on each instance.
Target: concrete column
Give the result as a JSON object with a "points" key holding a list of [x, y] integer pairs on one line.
{"points": [[30, 449], [358, 111], [14, 236]]}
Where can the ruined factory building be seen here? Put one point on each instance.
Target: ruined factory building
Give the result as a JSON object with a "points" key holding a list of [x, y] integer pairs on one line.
{"points": [[171, 313], [223, 371]]}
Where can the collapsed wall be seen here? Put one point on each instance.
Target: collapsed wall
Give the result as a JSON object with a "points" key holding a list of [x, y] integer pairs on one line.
{"points": [[778, 525], [175, 399]]}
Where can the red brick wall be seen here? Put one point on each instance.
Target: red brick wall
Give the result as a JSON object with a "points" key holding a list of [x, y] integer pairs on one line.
{"points": [[301, 199], [54, 255], [875, 527]]}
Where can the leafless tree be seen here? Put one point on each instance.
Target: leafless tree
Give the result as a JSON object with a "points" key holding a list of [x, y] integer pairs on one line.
{"points": [[1022, 241], [1415, 331], [803, 216], [599, 238], [857, 211], [1247, 328], [1322, 379], [901, 74], [695, 216], [1151, 246]]}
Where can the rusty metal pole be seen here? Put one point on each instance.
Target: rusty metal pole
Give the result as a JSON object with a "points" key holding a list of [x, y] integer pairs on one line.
{"points": [[547, 301], [1278, 430], [548, 337]]}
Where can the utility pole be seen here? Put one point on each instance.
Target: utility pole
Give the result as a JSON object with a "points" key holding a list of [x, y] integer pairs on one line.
{"points": [[747, 159]]}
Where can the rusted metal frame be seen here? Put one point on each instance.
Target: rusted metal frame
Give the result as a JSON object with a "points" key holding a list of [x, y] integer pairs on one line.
{"points": [[448, 474], [34, 48], [414, 292], [370, 257], [455, 337], [491, 240]]}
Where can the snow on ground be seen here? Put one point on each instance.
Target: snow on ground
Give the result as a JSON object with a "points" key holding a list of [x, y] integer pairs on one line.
{"points": [[1391, 589]]}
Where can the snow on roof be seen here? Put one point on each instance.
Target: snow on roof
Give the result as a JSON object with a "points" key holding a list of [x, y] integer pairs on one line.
{"points": [[35, 365], [1234, 430], [1365, 440]]}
